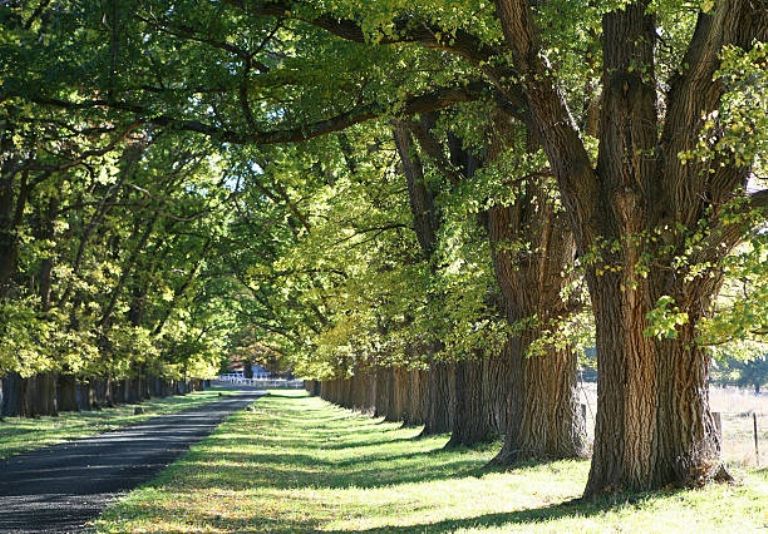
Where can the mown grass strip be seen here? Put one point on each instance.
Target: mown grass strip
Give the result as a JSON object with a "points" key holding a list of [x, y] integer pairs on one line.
{"points": [[297, 464]]}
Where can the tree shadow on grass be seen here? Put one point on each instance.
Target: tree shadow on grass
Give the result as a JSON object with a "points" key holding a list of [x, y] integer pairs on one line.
{"points": [[528, 517], [290, 471], [213, 520]]}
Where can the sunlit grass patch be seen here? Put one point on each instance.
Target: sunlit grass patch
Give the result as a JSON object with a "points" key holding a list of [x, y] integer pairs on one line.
{"points": [[18, 435], [298, 464]]}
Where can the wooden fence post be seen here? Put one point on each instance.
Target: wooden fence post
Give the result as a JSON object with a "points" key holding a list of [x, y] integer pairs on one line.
{"points": [[757, 451]]}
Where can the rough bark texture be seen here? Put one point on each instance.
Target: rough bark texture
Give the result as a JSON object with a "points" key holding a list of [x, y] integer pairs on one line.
{"points": [[471, 423], [497, 389], [399, 394], [425, 221], [437, 407], [533, 397], [415, 412], [538, 391]]}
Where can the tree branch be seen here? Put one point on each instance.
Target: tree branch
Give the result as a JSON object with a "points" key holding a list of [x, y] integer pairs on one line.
{"points": [[439, 99]]}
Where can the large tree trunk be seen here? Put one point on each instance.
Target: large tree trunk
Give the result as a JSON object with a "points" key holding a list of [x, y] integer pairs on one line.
{"points": [[102, 392], [414, 411], [400, 394], [438, 402], [471, 422], [66, 393], [654, 426], [383, 387], [542, 419], [85, 396], [543, 412], [14, 395], [497, 389], [41, 395]]}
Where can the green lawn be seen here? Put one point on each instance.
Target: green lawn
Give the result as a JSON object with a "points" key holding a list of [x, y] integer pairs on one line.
{"points": [[298, 464], [19, 435]]}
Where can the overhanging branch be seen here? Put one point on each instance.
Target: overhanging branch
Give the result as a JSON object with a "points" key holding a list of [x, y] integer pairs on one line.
{"points": [[439, 99]]}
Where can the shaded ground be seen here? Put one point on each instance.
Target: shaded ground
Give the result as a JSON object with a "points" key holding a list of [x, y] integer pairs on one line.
{"points": [[297, 464], [60, 488]]}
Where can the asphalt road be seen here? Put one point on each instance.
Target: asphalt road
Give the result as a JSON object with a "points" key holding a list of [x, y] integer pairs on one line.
{"points": [[60, 488]]}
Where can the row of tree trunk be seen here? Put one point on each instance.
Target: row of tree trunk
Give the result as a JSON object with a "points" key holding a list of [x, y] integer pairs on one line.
{"points": [[49, 393], [466, 399]]}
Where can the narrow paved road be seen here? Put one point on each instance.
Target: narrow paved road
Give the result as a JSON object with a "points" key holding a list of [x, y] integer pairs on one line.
{"points": [[60, 488]]}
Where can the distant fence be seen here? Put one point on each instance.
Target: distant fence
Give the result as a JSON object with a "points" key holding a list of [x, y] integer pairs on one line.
{"points": [[261, 382]]}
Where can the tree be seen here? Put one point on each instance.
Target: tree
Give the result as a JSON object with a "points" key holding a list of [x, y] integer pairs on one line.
{"points": [[645, 204]]}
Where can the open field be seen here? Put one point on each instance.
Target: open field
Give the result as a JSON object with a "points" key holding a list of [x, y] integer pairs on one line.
{"points": [[298, 464], [19, 435]]}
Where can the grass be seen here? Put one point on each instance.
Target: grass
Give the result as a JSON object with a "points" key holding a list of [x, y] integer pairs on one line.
{"points": [[18, 435], [297, 464]]}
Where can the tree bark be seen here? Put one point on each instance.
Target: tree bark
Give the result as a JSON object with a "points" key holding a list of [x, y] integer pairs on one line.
{"points": [[14, 395], [471, 423], [497, 389], [41, 395], [544, 422], [85, 395], [383, 396], [399, 394], [437, 407], [415, 414], [66, 394]]}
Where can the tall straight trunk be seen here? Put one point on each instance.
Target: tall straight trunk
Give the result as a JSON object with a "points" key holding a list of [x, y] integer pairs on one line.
{"points": [[85, 395], [544, 422], [437, 407], [538, 391], [471, 423], [415, 413], [349, 393], [497, 388], [134, 389], [13, 200], [383, 386], [66, 393], [400, 394], [392, 406], [362, 385], [102, 392], [41, 395], [117, 391], [14, 395]]}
